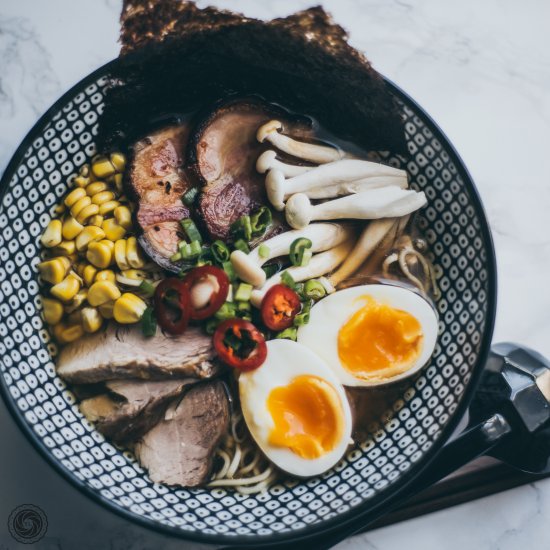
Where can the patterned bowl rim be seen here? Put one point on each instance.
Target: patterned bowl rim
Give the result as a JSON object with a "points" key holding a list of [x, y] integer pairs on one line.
{"points": [[365, 512]]}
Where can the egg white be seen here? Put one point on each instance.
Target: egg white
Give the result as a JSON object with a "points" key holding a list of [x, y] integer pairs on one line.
{"points": [[331, 313], [285, 361]]}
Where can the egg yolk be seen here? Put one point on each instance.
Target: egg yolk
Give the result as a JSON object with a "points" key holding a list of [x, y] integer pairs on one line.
{"points": [[378, 337], [308, 416]]}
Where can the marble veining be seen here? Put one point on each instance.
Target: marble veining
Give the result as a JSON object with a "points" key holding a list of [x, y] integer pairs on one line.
{"points": [[482, 70]]}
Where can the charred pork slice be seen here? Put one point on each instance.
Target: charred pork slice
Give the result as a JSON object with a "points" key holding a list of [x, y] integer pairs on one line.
{"points": [[130, 408], [158, 180], [123, 352], [223, 152], [179, 450]]}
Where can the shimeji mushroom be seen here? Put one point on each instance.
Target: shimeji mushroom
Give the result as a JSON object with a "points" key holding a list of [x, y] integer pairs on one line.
{"points": [[370, 238], [268, 161], [320, 264], [303, 150], [330, 180], [385, 202], [323, 236]]}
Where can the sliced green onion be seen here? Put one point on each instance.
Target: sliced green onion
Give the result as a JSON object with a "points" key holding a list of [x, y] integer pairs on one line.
{"points": [[298, 251], [302, 318], [229, 270], [263, 251], [227, 311], [147, 288], [242, 246], [190, 250], [202, 262], [286, 279], [244, 315], [270, 270], [242, 228], [244, 306], [260, 221], [299, 289], [175, 257], [314, 289], [190, 196], [220, 251], [287, 334], [243, 292], [191, 230], [148, 323]]}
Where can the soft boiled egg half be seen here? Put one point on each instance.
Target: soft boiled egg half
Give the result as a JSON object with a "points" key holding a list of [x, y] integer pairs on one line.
{"points": [[372, 334], [296, 409]]}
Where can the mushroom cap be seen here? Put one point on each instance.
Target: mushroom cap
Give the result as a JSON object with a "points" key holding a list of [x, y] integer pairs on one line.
{"points": [[275, 188], [265, 161], [268, 128], [298, 211], [247, 269]]}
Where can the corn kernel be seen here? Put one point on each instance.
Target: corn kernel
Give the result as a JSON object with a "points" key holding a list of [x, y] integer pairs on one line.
{"points": [[65, 334], [103, 197], [74, 196], [74, 318], [110, 244], [101, 292], [53, 311], [81, 181], [117, 182], [66, 290], [60, 209], [118, 160], [52, 235], [133, 255], [123, 216], [129, 308], [84, 170], [77, 301], [103, 168], [96, 220], [89, 274], [89, 234], [106, 275], [91, 319], [99, 254], [120, 254], [79, 205], [96, 187], [87, 212], [113, 231], [79, 267], [108, 207], [106, 309], [65, 248], [54, 271], [71, 228]]}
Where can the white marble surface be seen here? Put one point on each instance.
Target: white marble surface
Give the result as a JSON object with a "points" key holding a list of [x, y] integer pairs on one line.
{"points": [[481, 69]]}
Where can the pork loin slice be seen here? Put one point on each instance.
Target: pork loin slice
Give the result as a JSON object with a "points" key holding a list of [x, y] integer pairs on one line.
{"points": [[222, 153], [130, 408], [179, 450], [158, 180], [123, 352]]}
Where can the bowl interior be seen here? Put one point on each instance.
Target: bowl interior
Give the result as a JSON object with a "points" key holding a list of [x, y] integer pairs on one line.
{"points": [[454, 225]]}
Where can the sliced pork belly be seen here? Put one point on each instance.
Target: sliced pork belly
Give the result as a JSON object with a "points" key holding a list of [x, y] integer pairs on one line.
{"points": [[179, 450], [129, 408], [122, 352], [222, 153], [158, 181]]}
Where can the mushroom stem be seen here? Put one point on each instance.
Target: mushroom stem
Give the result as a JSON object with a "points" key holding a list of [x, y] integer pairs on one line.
{"points": [[303, 150], [323, 236], [354, 187], [268, 161], [370, 238], [385, 202], [320, 264]]}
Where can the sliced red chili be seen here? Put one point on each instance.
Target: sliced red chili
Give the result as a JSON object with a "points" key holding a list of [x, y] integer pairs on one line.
{"points": [[219, 281], [279, 307], [240, 344], [172, 305]]}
